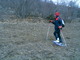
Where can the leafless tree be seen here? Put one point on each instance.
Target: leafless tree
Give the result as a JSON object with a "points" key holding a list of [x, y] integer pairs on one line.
{"points": [[42, 8]]}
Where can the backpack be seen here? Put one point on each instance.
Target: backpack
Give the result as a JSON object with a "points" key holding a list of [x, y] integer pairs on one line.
{"points": [[63, 24]]}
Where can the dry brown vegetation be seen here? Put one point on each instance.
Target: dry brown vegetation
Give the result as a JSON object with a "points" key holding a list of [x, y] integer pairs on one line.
{"points": [[23, 40]]}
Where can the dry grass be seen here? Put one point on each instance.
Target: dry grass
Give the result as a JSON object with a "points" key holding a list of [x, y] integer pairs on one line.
{"points": [[24, 40]]}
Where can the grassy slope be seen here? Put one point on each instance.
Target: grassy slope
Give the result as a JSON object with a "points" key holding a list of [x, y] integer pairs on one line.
{"points": [[27, 41]]}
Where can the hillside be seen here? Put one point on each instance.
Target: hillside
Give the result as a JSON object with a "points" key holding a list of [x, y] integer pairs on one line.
{"points": [[23, 40]]}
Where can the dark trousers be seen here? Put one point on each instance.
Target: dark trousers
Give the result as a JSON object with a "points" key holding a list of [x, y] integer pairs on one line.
{"points": [[57, 35]]}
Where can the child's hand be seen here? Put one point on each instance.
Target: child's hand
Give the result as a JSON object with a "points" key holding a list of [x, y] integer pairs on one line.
{"points": [[50, 20], [60, 27]]}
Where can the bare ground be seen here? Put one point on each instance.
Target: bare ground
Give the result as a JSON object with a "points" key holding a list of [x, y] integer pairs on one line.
{"points": [[27, 41]]}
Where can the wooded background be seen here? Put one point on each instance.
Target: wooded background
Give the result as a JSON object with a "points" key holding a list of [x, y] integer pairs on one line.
{"points": [[39, 8]]}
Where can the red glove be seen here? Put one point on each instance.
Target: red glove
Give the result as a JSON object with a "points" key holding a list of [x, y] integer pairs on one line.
{"points": [[60, 27], [50, 20]]}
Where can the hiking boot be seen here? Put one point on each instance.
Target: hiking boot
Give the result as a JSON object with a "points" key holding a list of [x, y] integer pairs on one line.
{"points": [[57, 40]]}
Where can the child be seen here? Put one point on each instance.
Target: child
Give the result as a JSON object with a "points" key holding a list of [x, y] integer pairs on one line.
{"points": [[59, 23]]}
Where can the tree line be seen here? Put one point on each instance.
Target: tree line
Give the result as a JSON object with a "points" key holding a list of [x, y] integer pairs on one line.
{"points": [[41, 8]]}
